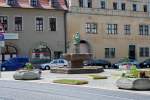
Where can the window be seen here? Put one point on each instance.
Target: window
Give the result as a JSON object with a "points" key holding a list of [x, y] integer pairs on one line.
{"points": [[144, 52], [109, 52], [39, 24], [80, 3], [145, 8], [112, 28], [4, 22], [91, 28], [85, 3], [57, 54], [144, 29], [102, 4], [114, 5], [52, 24], [127, 29], [34, 3], [54, 3], [123, 6], [18, 23], [134, 6], [11, 2], [89, 3]]}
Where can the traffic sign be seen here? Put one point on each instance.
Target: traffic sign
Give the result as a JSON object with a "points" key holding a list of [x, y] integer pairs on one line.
{"points": [[1, 37]]}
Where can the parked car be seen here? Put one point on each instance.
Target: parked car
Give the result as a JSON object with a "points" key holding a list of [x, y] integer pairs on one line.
{"points": [[145, 63], [14, 63], [54, 63], [124, 62], [97, 62]]}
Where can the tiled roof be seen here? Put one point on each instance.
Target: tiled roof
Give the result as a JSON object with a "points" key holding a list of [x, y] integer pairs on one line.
{"points": [[43, 4]]}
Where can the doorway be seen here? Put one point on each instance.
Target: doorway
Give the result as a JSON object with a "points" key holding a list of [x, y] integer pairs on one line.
{"points": [[132, 52]]}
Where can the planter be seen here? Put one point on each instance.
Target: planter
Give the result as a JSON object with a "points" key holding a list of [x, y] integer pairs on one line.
{"points": [[27, 75], [133, 83]]}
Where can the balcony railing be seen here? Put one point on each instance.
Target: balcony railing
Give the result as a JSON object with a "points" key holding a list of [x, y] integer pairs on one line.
{"points": [[99, 11]]}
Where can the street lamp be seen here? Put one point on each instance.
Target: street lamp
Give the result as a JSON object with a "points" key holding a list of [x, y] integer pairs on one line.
{"points": [[1, 41]]}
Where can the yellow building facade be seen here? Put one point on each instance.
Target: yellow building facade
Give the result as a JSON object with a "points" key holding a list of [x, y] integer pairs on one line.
{"points": [[111, 29]]}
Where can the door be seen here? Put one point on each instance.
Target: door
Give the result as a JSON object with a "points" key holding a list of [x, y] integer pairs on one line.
{"points": [[132, 52]]}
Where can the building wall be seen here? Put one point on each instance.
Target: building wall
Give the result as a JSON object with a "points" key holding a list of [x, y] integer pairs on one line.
{"points": [[29, 37], [78, 17]]}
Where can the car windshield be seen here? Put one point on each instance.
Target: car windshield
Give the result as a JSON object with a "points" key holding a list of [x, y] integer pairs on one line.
{"points": [[54, 62], [148, 60], [126, 60]]}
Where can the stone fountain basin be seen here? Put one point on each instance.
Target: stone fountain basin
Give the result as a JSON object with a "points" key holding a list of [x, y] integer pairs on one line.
{"points": [[74, 56]]}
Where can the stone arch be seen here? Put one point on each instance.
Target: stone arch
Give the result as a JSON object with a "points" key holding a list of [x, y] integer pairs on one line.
{"points": [[10, 50], [84, 47], [41, 53]]}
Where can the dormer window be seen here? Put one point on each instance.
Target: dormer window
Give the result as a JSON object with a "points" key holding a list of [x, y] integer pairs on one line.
{"points": [[54, 3], [11, 2], [34, 3]]}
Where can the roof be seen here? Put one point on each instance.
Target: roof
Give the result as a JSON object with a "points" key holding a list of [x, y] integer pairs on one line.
{"points": [[42, 4]]}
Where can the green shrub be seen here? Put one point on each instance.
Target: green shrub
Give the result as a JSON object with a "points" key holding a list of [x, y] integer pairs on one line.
{"points": [[71, 81], [134, 71], [29, 66], [96, 77]]}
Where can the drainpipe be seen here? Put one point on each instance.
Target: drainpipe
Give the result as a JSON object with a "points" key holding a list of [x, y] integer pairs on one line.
{"points": [[65, 25], [65, 30]]}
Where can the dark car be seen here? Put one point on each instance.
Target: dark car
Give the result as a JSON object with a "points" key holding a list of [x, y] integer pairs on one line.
{"points": [[14, 63], [97, 62], [125, 61], [145, 64]]}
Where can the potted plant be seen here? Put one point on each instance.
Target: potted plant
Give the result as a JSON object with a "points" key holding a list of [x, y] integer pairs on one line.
{"points": [[28, 73]]}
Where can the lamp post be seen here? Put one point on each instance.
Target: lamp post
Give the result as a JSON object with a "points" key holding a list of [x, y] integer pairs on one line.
{"points": [[1, 45], [1, 42]]}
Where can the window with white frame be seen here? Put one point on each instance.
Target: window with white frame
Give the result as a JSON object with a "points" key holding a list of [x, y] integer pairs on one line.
{"points": [[4, 22], [134, 7], [39, 23], [127, 29], [109, 52], [112, 29], [52, 24], [145, 8], [85, 3], [34, 3], [91, 28], [11, 2], [115, 5], [144, 29], [144, 52], [123, 6], [103, 4], [18, 23], [89, 4], [81, 3]]}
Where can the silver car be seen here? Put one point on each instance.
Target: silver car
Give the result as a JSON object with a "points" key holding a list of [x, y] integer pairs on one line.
{"points": [[54, 63]]}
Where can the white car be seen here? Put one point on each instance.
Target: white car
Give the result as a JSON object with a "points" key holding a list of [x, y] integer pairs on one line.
{"points": [[54, 63]]}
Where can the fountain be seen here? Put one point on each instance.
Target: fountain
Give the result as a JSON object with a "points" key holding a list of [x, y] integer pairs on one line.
{"points": [[76, 60]]}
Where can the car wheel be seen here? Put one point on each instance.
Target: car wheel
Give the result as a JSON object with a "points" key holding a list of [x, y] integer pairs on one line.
{"points": [[3, 69], [47, 67], [106, 66]]}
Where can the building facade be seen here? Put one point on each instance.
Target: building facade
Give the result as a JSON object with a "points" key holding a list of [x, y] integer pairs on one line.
{"points": [[39, 26], [111, 29]]}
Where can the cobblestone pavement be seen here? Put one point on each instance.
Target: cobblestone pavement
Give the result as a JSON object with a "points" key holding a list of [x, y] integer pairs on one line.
{"points": [[108, 84], [19, 90]]}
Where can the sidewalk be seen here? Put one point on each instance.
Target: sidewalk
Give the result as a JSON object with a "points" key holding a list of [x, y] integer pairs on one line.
{"points": [[109, 83]]}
